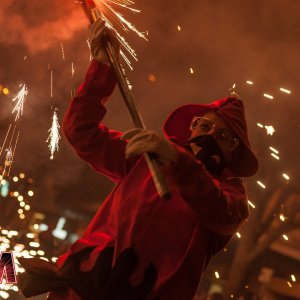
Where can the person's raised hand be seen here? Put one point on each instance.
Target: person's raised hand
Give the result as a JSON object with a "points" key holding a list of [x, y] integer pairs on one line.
{"points": [[142, 141], [99, 35]]}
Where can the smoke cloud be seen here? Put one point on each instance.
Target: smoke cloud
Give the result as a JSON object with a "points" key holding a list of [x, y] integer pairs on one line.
{"points": [[37, 30]]}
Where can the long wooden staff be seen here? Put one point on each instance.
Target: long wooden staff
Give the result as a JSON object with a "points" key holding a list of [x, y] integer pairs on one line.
{"points": [[159, 180]]}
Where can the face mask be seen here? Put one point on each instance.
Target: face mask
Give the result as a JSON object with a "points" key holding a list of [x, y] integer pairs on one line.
{"points": [[209, 149]]}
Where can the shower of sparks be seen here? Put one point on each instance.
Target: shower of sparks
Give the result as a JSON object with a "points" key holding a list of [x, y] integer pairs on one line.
{"points": [[250, 82], [285, 176], [62, 51], [275, 156], [54, 135], [251, 204], [285, 90], [274, 150], [20, 98], [261, 184], [270, 130], [116, 21], [51, 85], [268, 96]]}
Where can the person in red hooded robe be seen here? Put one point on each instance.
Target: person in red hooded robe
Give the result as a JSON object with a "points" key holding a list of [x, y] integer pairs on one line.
{"points": [[139, 246]]}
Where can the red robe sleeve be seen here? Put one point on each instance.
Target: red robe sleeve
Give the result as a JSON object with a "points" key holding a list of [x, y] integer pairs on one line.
{"points": [[100, 147], [220, 205]]}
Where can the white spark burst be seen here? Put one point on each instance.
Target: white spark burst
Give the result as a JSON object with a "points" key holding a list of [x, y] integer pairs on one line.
{"points": [[20, 98], [117, 22], [54, 135], [270, 130]]}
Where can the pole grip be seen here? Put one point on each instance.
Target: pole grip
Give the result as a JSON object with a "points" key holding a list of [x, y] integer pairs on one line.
{"points": [[158, 178], [160, 181]]}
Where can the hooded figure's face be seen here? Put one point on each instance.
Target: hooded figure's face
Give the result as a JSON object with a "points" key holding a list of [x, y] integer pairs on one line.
{"points": [[212, 142]]}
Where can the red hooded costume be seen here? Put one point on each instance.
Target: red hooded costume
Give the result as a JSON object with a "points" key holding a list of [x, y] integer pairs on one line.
{"points": [[179, 235]]}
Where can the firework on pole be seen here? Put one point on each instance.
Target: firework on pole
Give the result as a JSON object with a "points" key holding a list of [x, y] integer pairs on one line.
{"points": [[114, 20], [20, 98], [54, 135], [95, 12]]}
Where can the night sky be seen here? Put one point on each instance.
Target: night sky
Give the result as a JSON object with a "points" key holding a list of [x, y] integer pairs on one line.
{"points": [[225, 42]]}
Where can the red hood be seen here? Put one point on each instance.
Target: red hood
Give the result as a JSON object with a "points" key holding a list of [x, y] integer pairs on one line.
{"points": [[232, 111]]}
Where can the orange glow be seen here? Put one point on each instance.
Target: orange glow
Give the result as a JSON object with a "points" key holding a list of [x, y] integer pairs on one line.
{"points": [[5, 91]]}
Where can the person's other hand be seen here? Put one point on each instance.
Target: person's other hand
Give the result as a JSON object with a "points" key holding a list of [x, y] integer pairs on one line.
{"points": [[148, 141], [100, 33]]}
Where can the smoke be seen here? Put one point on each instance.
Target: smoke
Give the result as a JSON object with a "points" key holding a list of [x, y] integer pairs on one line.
{"points": [[33, 24]]}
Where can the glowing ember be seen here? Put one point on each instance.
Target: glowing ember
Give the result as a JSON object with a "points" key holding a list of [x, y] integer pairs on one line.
{"points": [[251, 204], [285, 176], [51, 84], [238, 235], [192, 70], [270, 130], [178, 28], [261, 184], [268, 96], [217, 274], [285, 90], [274, 150], [250, 82], [54, 136], [282, 218], [20, 98], [260, 125], [73, 69], [62, 50], [275, 156], [293, 278], [285, 237]]}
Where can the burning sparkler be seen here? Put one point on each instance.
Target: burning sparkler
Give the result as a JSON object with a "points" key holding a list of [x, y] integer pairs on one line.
{"points": [[20, 98], [108, 11], [54, 135]]}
